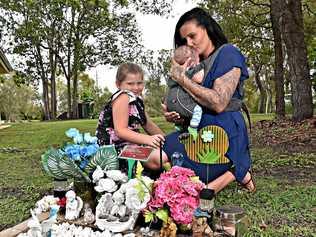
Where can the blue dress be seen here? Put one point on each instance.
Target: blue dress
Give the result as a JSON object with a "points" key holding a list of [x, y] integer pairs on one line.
{"points": [[232, 122]]}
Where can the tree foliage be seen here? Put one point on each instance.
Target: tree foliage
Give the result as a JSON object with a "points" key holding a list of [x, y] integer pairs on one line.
{"points": [[249, 25], [69, 36], [18, 101], [157, 67]]}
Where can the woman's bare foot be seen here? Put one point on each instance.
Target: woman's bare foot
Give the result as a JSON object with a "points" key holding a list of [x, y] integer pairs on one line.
{"points": [[248, 183]]}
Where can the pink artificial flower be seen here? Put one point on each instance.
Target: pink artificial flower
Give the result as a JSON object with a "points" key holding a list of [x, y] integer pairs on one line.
{"points": [[183, 209], [193, 187], [177, 171], [177, 190]]}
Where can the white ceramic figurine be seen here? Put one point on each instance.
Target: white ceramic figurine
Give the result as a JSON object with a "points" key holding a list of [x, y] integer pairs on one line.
{"points": [[73, 205]]}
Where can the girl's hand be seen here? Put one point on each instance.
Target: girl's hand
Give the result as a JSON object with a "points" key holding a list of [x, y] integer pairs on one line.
{"points": [[172, 117], [154, 140], [177, 71]]}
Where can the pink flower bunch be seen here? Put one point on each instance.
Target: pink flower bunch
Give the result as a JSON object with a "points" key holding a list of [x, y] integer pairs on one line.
{"points": [[178, 190]]}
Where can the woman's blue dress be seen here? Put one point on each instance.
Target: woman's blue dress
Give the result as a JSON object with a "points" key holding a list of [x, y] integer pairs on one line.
{"points": [[232, 122]]}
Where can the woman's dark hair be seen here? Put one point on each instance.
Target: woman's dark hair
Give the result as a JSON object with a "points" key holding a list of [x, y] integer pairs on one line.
{"points": [[204, 19]]}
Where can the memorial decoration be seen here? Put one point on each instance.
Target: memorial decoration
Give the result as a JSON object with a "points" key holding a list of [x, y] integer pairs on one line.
{"points": [[78, 159], [175, 195], [121, 200]]}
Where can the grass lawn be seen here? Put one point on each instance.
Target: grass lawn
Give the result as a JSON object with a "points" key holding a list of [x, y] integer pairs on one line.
{"points": [[284, 205]]}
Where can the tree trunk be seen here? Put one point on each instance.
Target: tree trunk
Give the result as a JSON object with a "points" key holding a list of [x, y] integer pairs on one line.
{"points": [[69, 114], [44, 82], [53, 84], [75, 78], [269, 104], [46, 99], [263, 94], [75, 114], [275, 15], [293, 35]]}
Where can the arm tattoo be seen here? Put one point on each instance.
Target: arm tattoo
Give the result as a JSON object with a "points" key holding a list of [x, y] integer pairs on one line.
{"points": [[178, 74], [219, 96]]}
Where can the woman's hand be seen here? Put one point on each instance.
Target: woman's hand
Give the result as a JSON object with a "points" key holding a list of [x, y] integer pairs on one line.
{"points": [[155, 140], [177, 71], [172, 117]]}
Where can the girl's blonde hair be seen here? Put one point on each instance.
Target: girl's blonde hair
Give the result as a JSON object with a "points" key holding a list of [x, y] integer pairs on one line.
{"points": [[126, 68]]}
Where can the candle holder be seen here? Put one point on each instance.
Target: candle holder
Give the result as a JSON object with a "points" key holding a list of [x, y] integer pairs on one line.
{"points": [[207, 197], [231, 220], [60, 187]]}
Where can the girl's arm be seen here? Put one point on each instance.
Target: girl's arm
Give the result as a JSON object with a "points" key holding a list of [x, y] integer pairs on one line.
{"points": [[151, 128], [120, 120], [216, 98]]}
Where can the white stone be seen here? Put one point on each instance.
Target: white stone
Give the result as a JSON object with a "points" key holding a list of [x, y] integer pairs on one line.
{"points": [[130, 235]]}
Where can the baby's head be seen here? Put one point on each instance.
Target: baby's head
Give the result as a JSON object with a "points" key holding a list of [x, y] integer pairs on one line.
{"points": [[130, 77], [182, 53]]}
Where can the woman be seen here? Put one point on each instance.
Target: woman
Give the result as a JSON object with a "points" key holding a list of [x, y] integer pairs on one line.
{"points": [[197, 29]]}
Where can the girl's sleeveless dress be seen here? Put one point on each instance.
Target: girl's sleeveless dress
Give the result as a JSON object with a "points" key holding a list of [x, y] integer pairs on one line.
{"points": [[232, 122], [136, 119]]}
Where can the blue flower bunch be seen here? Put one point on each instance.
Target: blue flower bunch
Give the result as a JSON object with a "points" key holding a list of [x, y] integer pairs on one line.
{"points": [[84, 147]]}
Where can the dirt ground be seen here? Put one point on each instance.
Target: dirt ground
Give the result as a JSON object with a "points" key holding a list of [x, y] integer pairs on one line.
{"points": [[285, 136]]}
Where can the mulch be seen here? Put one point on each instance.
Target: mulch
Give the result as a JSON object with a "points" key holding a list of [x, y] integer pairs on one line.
{"points": [[285, 135]]}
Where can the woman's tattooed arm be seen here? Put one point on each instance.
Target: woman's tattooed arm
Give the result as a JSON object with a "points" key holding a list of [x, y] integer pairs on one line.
{"points": [[216, 98]]}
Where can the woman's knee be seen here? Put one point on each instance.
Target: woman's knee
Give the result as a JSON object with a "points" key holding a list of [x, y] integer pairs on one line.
{"points": [[154, 160]]}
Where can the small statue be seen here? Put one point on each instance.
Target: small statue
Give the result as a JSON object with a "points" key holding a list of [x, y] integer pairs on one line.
{"points": [[118, 209], [47, 224], [35, 226], [105, 204], [200, 227], [88, 216], [169, 229], [73, 205]]}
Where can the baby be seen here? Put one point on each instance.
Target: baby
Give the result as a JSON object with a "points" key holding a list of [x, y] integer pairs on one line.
{"points": [[195, 70], [177, 98]]}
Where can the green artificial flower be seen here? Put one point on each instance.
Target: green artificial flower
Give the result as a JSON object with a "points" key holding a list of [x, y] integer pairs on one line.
{"points": [[208, 156]]}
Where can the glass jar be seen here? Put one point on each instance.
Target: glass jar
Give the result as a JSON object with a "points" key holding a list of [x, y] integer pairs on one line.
{"points": [[231, 220], [60, 187]]}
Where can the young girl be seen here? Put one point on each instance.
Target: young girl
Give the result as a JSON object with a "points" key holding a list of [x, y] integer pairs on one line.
{"points": [[121, 119]]}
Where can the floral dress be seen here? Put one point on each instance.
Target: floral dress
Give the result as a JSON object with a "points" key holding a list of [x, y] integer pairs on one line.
{"points": [[136, 119]]}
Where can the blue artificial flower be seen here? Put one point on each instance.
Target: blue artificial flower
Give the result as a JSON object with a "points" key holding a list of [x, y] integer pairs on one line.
{"points": [[72, 132], [89, 150], [73, 151], [89, 139], [78, 139]]}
